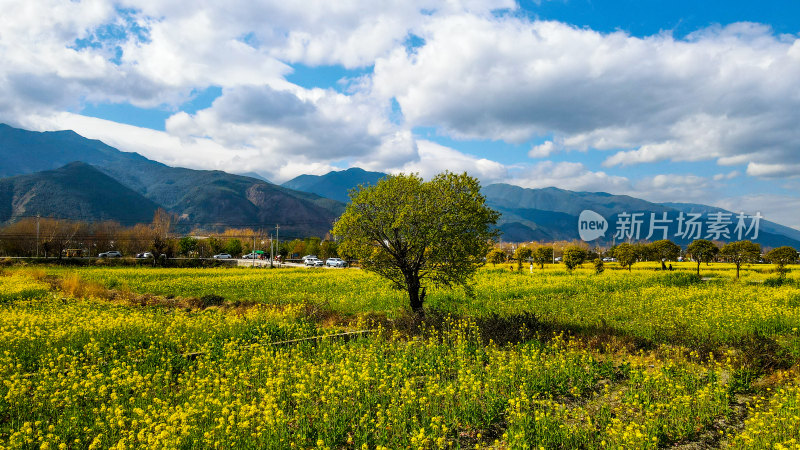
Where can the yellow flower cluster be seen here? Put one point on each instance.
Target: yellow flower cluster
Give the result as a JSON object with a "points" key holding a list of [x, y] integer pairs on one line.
{"points": [[774, 419], [15, 287], [651, 407], [89, 373]]}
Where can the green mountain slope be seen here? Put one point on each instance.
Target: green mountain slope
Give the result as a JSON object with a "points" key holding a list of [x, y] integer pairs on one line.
{"points": [[201, 198], [552, 214], [76, 191], [334, 185]]}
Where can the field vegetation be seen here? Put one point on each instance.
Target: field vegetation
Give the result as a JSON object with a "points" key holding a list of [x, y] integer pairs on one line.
{"points": [[114, 357]]}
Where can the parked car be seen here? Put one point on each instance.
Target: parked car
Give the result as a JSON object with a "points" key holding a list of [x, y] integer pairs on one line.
{"points": [[222, 256], [335, 262], [251, 256], [144, 255], [314, 262], [110, 254], [307, 257]]}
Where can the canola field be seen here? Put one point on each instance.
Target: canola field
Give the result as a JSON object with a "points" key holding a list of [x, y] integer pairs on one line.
{"points": [[238, 358]]}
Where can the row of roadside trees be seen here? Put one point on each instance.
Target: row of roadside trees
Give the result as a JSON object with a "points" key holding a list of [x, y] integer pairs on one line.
{"points": [[58, 238], [627, 254]]}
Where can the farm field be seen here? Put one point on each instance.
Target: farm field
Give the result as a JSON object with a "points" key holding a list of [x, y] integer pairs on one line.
{"points": [[102, 357]]}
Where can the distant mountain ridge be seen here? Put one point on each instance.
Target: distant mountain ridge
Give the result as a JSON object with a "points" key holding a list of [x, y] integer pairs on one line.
{"points": [[78, 191], [550, 214], [203, 199], [335, 185], [42, 177]]}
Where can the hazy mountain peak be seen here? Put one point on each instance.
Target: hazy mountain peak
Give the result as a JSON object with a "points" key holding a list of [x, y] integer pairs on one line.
{"points": [[335, 184]]}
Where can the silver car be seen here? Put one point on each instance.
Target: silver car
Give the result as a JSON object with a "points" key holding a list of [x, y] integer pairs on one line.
{"points": [[335, 262]]}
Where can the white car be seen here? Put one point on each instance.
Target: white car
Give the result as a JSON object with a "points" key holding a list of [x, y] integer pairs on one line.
{"points": [[111, 254], [335, 262], [314, 262], [222, 256], [251, 256], [307, 257]]}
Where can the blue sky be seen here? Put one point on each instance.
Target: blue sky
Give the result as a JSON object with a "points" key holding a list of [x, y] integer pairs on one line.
{"points": [[664, 100]]}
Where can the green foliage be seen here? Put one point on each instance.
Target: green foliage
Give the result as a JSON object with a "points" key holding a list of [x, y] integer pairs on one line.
{"points": [[234, 247], [741, 252], [599, 266], [216, 245], [665, 250], [702, 251], [158, 247], [496, 256], [543, 255], [297, 248], [327, 249], [626, 255], [521, 254], [574, 256], [781, 257], [413, 232], [187, 245], [313, 246]]}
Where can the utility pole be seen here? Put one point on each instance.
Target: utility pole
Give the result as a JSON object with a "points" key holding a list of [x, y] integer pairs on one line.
{"points": [[37, 234], [277, 240], [271, 252], [253, 252]]}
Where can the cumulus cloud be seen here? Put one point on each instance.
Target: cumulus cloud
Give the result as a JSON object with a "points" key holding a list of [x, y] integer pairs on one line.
{"points": [[726, 176], [462, 67], [567, 175], [306, 124], [435, 158], [777, 170], [676, 188], [724, 93], [776, 208], [543, 150]]}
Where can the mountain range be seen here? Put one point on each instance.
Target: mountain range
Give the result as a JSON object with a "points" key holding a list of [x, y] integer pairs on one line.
{"points": [[62, 174], [551, 214], [201, 199]]}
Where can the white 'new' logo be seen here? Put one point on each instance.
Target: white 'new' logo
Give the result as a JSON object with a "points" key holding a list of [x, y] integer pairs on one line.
{"points": [[591, 225]]}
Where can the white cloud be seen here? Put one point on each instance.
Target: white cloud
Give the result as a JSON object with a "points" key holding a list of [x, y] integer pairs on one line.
{"points": [[435, 158], [726, 176], [723, 93], [568, 175], [781, 209], [313, 125], [777, 170], [676, 188], [543, 150]]}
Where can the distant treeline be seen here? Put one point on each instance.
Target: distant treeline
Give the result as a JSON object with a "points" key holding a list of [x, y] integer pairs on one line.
{"points": [[61, 238]]}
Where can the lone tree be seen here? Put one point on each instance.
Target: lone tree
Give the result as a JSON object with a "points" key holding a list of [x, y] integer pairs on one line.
{"points": [[702, 251], [665, 250], [543, 255], [521, 254], [782, 256], [496, 256], [626, 255], [574, 256], [741, 252], [417, 233]]}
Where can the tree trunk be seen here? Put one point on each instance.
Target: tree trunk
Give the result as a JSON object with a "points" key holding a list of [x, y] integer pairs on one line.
{"points": [[737, 270], [698, 268], [416, 293]]}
